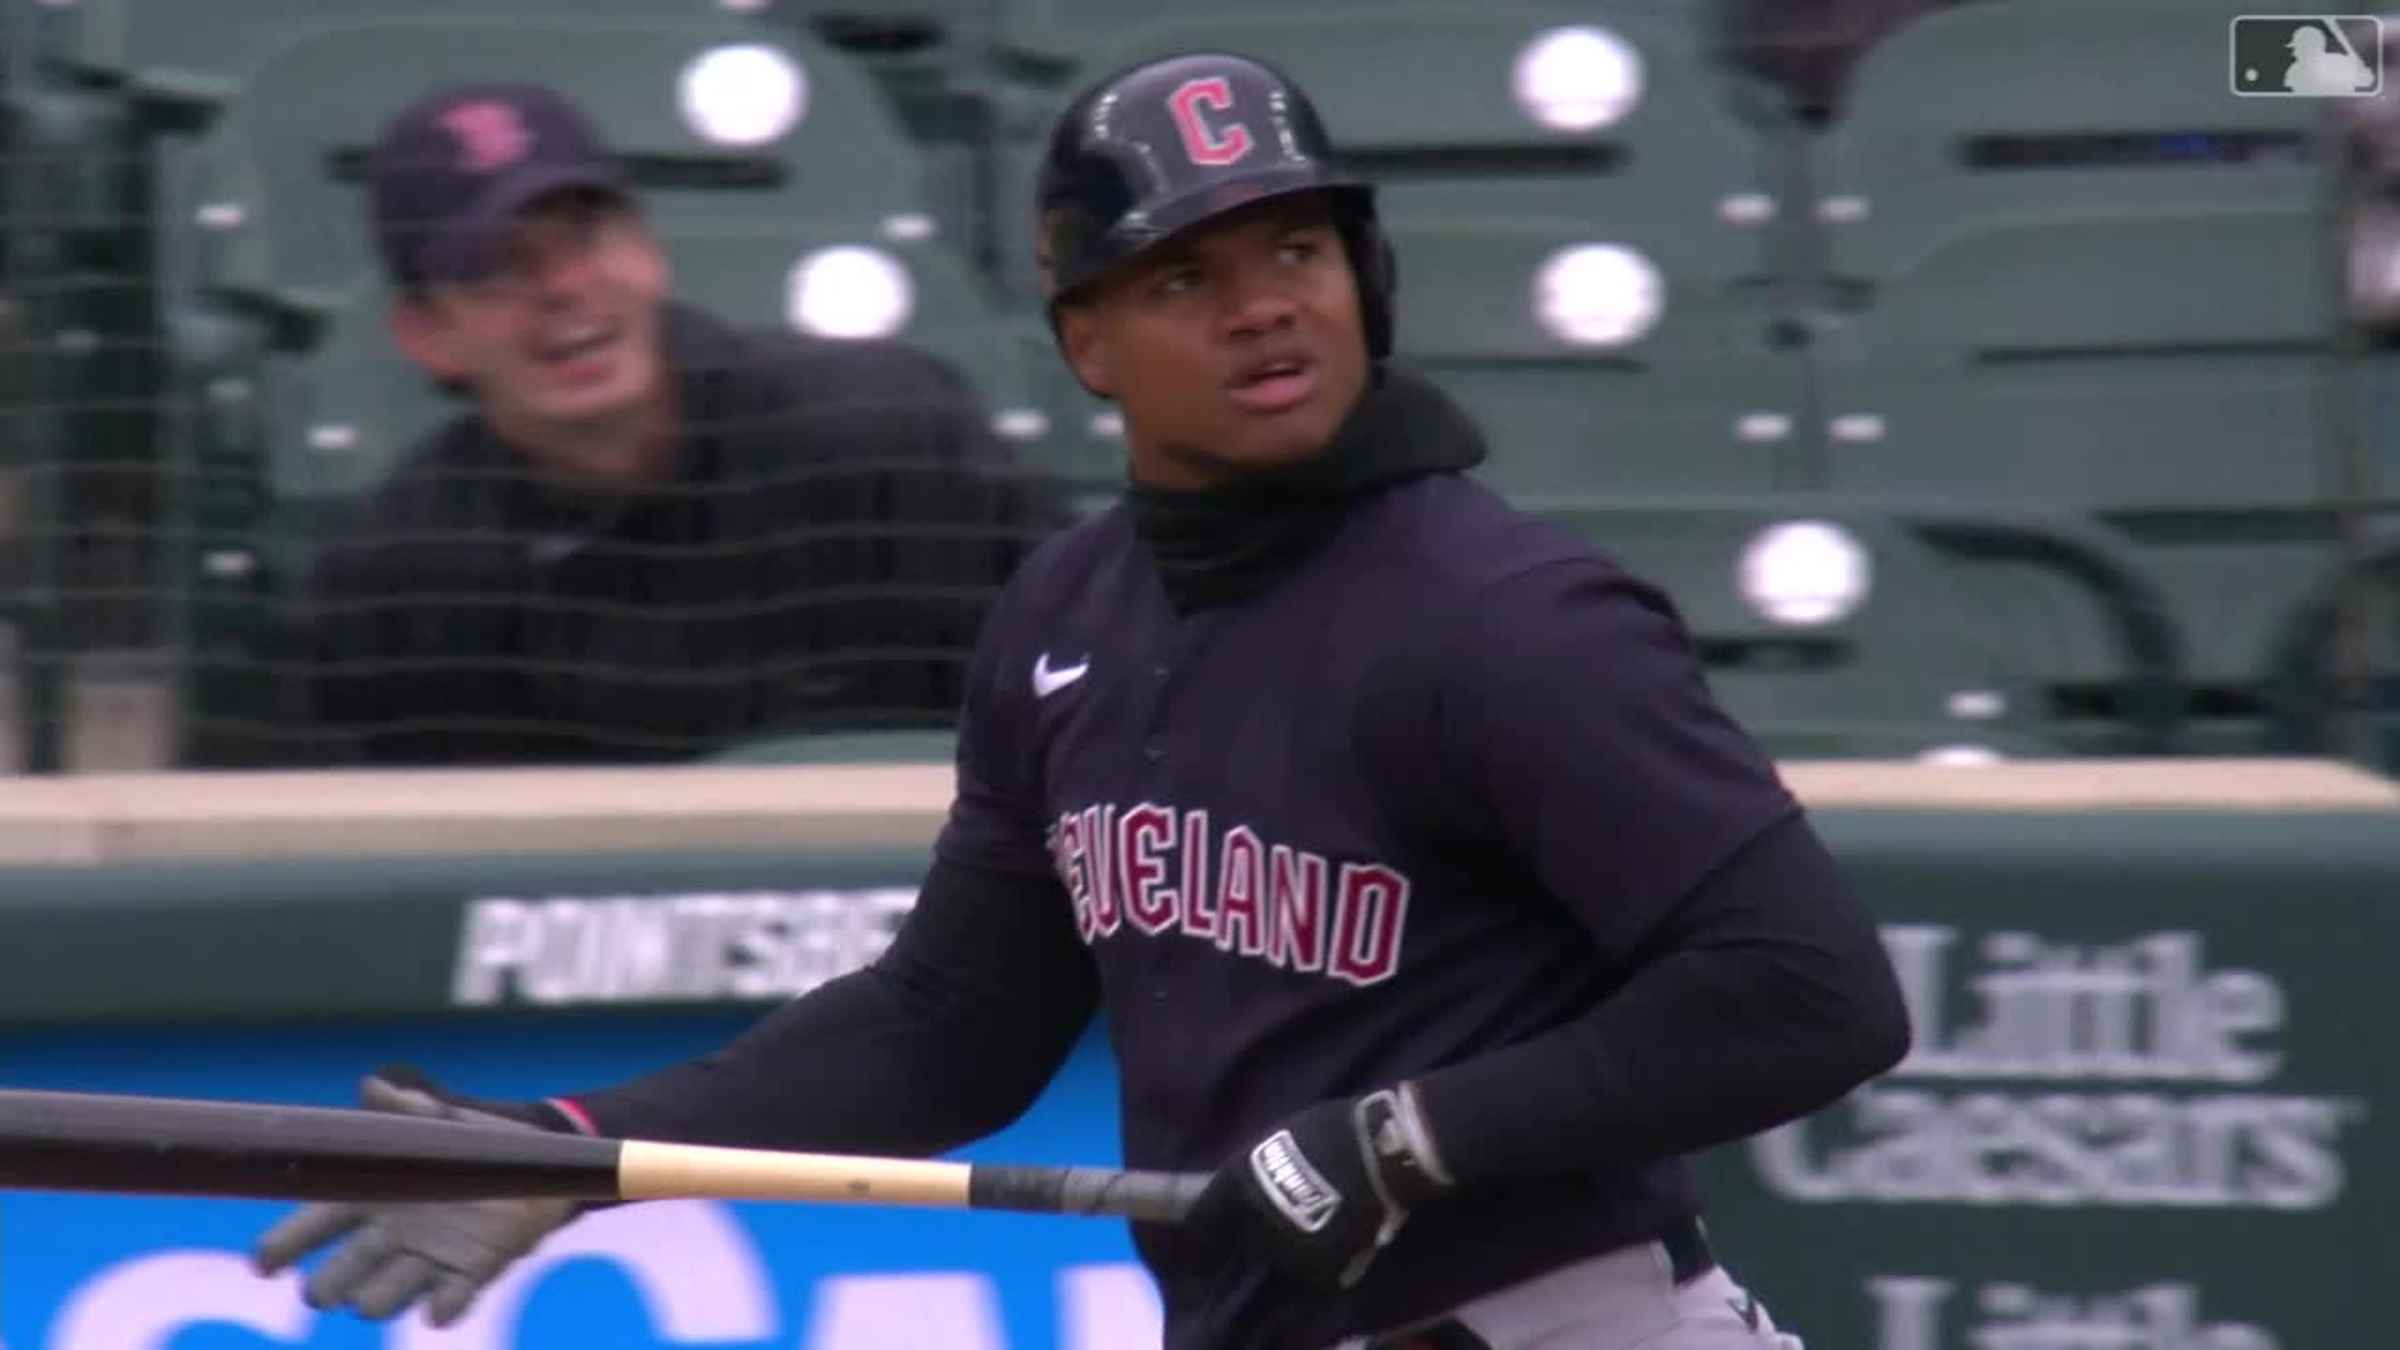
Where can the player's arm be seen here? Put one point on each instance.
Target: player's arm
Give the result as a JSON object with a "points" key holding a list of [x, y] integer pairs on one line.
{"points": [[948, 1036], [1564, 723], [1578, 732], [955, 1029]]}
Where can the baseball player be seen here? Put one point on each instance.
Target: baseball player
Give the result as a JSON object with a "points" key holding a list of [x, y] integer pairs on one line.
{"points": [[1430, 901]]}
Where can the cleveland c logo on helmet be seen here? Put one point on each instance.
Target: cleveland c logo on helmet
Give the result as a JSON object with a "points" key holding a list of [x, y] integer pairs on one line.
{"points": [[1201, 143], [1171, 143]]}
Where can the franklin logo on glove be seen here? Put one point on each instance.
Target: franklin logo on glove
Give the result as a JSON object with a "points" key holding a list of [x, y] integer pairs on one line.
{"points": [[1292, 1184], [1328, 1189]]}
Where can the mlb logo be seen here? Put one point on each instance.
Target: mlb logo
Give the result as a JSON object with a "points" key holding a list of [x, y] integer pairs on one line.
{"points": [[2307, 56]]}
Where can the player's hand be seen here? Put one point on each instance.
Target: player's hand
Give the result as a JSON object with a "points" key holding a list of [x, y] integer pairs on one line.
{"points": [[395, 1254], [1328, 1188]]}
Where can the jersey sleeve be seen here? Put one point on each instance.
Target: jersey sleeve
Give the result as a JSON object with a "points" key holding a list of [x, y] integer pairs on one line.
{"points": [[995, 819], [1576, 732]]}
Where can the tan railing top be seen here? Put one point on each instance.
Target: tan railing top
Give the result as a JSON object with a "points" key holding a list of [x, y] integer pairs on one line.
{"points": [[105, 818]]}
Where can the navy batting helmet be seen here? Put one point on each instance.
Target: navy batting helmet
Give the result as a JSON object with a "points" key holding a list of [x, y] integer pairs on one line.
{"points": [[1165, 145]]}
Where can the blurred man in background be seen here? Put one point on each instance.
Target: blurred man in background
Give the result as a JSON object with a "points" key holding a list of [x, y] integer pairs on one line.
{"points": [[650, 534]]}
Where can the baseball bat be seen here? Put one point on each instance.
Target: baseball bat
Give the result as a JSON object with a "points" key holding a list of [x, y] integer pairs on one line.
{"points": [[81, 1141]]}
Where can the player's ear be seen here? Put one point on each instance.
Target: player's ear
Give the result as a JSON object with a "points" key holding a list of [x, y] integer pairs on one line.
{"points": [[1083, 341], [421, 330]]}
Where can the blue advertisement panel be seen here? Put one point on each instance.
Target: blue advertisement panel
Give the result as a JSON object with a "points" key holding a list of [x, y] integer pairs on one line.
{"points": [[140, 1273]]}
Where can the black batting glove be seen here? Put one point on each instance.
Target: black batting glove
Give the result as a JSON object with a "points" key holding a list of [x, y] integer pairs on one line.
{"points": [[1326, 1190]]}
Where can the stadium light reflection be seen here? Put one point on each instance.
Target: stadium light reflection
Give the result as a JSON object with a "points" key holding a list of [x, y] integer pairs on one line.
{"points": [[1598, 295], [744, 95], [850, 291], [1579, 78], [1804, 573]]}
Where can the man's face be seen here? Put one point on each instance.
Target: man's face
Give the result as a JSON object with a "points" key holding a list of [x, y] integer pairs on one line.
{"points": [[565, 331], [1232, 348]]}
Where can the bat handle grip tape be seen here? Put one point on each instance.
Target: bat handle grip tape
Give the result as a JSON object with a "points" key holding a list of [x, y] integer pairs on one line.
{"points": [[1154, 1197]]}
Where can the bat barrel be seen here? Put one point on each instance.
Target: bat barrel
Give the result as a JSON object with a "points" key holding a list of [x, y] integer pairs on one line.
{"points": [[69, 1141]]}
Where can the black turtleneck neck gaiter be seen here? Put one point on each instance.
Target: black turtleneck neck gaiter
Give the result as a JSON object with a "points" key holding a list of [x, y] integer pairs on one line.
{"points": [[1227, 543]]}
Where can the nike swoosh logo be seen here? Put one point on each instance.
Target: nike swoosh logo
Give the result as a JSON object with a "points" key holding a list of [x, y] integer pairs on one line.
{"points": [[1047, 681]]}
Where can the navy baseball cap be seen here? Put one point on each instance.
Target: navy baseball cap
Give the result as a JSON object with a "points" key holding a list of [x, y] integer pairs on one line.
{"points": [[453, 167]]}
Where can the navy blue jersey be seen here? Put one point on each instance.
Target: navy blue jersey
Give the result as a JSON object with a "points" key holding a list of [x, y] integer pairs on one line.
{"points": [[1423, 798]]}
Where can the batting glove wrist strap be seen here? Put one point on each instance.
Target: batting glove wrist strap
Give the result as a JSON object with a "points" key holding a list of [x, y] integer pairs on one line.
{"points": [[404, 1089], [1393, 1132]]}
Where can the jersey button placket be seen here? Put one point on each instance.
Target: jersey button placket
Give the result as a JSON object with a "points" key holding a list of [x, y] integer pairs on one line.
{"points": [[1162, 670]]}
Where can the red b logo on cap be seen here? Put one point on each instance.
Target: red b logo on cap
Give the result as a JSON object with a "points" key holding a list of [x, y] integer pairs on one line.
{"points": [[1201, 143], [490, 135]]}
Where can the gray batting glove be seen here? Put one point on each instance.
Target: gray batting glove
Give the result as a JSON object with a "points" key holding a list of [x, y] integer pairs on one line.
{"points": [[444, 1253]]}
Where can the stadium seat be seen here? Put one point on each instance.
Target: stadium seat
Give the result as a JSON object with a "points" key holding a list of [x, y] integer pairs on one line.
{"points": [[77, 283], [40, 381], [754, 272], [202, 54], [282, 214], [339, 409], [1924, 661], [72, 180], [1985, 114], [2164, 374], [913, 46], [1422, 99], [1084, 438], [1064, 33], [1908, 671], [232, 546], [178, 65], [2076, 270], [2308, 710], [1481, 195], [287, 430], [2043, 581], [1701, 402]]}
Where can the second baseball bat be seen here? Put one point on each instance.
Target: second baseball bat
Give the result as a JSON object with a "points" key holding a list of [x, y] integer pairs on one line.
{"points": [[79, 1141]]}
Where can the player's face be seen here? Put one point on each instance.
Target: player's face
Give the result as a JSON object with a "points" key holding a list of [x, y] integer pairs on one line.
{"points": [[1234, 348], [564, 334]]}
